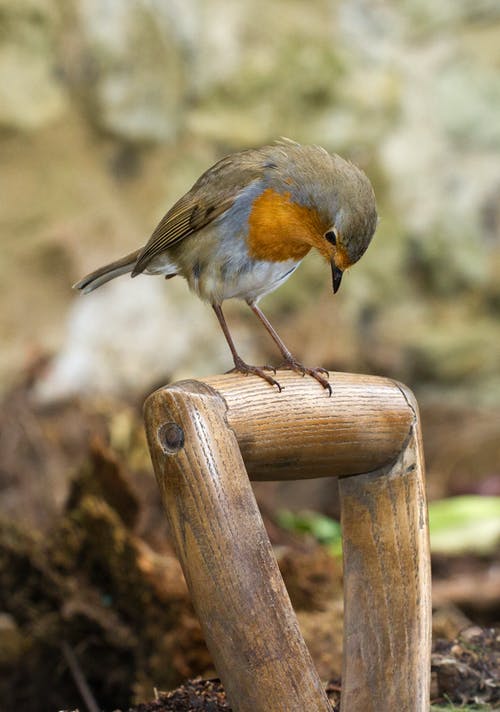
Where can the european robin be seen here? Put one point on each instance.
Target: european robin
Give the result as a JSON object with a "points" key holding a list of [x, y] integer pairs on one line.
{"points": [[247, 223]]}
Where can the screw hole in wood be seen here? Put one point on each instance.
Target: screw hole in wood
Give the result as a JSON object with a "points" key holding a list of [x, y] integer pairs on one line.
{"points": [[171, 438]]}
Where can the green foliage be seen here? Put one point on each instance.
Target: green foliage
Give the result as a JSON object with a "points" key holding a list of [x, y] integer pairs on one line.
{"points": [[465, 524], [458, 525], [326, 530]]}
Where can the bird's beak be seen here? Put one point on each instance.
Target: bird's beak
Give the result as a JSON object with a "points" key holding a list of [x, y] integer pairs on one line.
{"points": [[336, 277]]}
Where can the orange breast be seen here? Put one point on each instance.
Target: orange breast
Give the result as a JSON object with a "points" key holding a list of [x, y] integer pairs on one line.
{"points": [[281, 230]]}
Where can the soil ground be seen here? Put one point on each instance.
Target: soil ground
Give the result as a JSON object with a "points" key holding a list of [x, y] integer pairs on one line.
{"points": [[464, 671], [87, 575]]}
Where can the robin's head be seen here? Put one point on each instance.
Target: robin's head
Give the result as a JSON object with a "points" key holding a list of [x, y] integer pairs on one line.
{"points": [[341, 196], [346, 203]]}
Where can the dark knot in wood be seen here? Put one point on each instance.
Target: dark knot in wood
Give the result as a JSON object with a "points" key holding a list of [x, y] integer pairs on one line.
{"points": [[170, 437]]}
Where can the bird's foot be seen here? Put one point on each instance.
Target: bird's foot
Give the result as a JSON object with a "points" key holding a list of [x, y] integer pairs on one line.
{"points": [[316, 373], [241, 367]]}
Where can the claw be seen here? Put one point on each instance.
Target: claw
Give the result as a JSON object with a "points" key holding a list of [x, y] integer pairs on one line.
{"points": [[315, 373], [267, 367], [242, 367]]}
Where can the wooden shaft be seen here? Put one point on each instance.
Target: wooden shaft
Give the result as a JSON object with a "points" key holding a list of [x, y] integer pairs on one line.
{"points": [[387, 587], [303, 433], [368, 434], [226, 556]]}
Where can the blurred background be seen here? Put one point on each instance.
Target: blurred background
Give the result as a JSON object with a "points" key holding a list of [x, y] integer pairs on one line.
{"points": [[109, 110]]}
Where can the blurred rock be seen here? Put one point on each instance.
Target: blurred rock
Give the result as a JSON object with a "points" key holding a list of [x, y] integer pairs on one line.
{"points": [[409, 91], [468, 103], [135, 77], [129, 336], [426, 14], [31, 93]]}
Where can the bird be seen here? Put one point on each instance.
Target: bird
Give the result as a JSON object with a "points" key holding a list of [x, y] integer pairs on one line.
{"points": [[245, 226]]}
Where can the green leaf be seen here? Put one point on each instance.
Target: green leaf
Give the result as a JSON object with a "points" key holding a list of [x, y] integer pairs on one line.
{"points": [[458, 525], [465, 524], [324, 529]]}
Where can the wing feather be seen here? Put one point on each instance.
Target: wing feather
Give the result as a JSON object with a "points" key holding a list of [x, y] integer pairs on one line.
{"points": [[212, 194]]}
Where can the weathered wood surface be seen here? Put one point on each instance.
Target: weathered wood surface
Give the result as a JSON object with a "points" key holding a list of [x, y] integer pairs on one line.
{"points": [[369, 425], [302, 433], [387, 587], [227, 559]]}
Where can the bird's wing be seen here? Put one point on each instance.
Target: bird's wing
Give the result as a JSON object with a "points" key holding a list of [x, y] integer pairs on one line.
{"points": [[212, 194]]}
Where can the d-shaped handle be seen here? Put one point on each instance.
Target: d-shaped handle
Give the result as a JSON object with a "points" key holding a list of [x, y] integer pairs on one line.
{"points": [[202, 434]]}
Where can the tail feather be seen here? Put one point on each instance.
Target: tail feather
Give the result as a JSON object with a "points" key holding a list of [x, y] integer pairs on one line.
{"points": [[105, 274]]}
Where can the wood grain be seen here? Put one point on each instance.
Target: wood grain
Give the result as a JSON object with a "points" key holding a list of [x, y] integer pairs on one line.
{"points": [[200, 435], [302, 433], [387, 586], [227, 559]]}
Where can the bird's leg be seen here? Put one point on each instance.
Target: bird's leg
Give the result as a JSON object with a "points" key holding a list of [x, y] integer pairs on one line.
{"points": [[239, 365], [290, 361]]}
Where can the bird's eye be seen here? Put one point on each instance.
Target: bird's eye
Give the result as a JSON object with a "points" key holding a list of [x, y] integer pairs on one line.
{"points": [[331, 236]]}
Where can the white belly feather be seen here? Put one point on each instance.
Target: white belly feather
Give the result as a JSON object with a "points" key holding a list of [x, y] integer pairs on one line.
{"points": [[260, 278], [215, 261]]}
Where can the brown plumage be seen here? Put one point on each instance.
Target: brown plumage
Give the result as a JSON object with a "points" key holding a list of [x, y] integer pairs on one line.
{"points": [[246, 224]]}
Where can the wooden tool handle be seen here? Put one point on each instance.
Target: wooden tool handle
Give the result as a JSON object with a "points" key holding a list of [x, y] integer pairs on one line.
{"points": [[301, 432], [387, 587], [225, 553], [200, 435]]}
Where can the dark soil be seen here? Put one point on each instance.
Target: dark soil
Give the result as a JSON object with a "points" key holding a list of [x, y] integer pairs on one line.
{"points": [[87, 572], [467, 669], [194, 696], [464, 671], [207, 696]]}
